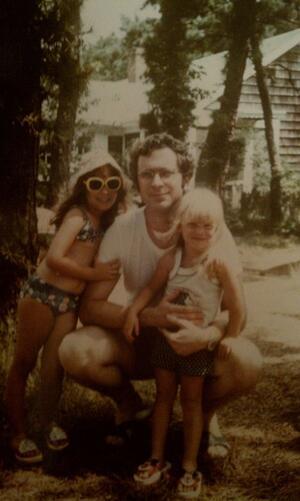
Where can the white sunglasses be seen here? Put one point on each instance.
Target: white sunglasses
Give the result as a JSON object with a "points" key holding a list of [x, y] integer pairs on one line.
{"points": [[112, 183]]}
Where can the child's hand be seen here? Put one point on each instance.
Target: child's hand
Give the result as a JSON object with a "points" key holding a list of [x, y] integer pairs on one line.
{"points": [[107, 271], [131, 326]]}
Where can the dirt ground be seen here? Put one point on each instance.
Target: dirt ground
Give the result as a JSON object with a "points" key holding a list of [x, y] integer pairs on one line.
{"points": [[263, 428]]}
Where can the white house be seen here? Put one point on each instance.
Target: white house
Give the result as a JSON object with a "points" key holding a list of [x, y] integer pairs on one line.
{"points": [[114, 108]]}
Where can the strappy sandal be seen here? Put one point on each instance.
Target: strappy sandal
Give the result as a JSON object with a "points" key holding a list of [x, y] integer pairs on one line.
{"points": [[27, 452], [57, 439], [151, 472], [189, 485]]}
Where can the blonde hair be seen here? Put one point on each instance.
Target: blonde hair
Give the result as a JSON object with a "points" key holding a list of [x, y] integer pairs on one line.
{"points": [[195, 204], [200, 203]]}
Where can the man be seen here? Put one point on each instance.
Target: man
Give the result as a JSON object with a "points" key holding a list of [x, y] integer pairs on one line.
{"points": [[99, 357]]}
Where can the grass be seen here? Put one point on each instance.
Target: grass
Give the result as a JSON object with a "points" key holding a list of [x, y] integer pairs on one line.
{"points": [[263, 429]]}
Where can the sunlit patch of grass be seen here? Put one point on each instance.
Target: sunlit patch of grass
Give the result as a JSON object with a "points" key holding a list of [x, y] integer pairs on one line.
{"points": [[257, 239]]}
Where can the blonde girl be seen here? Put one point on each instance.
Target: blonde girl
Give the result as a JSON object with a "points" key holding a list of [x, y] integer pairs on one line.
{"points": [[198, 273], [48, 304]]}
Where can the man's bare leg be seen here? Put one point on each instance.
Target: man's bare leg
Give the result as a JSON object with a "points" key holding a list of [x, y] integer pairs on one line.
{"points": [[234, 377], [103, 361]]}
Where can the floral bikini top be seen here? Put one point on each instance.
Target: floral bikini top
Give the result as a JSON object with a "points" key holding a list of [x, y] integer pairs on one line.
{"points": [[88, 233]]}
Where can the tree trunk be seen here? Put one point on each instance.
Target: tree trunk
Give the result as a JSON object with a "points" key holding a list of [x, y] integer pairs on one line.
{"points": [[275, 184], [19, 142], [215, 155], [69, 92], [167, 57]]}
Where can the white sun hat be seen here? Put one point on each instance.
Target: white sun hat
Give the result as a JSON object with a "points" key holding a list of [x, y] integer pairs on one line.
{"points": [[92, 160]]}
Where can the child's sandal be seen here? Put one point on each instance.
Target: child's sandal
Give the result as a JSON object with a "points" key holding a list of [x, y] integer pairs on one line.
{"points": [[189, 485], [27, 452], [57, 439], [151, 472]]}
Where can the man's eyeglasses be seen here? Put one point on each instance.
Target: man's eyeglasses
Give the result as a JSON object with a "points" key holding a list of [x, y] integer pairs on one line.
{"points": [[97, 183], [164, 174]]}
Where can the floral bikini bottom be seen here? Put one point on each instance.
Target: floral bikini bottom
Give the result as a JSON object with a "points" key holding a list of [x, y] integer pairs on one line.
{"points": [[58, 300]]}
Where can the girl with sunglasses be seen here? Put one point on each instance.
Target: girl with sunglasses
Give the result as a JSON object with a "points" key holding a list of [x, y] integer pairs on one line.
{"points": [[48, 304]]}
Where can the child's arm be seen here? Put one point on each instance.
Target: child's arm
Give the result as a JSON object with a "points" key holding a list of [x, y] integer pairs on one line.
{"points": [[58, 260], [156, 283], [234, 300]]}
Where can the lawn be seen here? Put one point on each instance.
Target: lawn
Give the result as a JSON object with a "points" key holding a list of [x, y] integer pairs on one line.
{"points": [[263, 428]]}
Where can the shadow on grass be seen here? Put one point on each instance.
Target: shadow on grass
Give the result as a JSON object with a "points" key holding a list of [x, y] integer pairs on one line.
{"points": [[89, 455]]}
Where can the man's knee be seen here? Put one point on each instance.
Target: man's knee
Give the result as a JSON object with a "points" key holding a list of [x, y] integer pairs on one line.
{"points": [[77, 350], [244, 364], [69, 354]]}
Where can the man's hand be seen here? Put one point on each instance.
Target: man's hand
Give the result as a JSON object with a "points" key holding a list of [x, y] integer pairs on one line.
{"points": [[162, 314], [191, 338], [188, 339], [224, 348]]}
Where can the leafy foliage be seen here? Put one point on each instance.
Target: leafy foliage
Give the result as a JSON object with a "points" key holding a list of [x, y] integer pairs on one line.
{"points": [[255, 212], [108, 58], [63, 80], [168, 57], [33, 47], [215, 155]]}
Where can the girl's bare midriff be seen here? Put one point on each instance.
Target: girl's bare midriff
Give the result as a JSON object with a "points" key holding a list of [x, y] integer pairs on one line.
{"points": [[82, 253]]}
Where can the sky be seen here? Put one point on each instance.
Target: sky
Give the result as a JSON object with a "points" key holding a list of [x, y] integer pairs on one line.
{"points": [[104, 16]]}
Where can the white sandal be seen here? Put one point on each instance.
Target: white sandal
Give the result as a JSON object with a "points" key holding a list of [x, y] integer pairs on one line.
{"points": [[27, 452], [189, 485], [151, 472], [57, 439]]}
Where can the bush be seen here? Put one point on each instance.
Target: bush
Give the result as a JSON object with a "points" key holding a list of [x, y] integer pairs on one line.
{"points": [[254, 213]]}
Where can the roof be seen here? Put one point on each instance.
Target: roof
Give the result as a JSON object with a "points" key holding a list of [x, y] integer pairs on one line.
{"points": [[212, 67], [120, 103]]}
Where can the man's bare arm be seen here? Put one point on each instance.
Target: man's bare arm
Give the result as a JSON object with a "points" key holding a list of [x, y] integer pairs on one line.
{"points": [[158, 316]]}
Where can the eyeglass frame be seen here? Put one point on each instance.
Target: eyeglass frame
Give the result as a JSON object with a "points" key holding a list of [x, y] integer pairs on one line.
{"points": [[104, 183], [164, 174]]}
